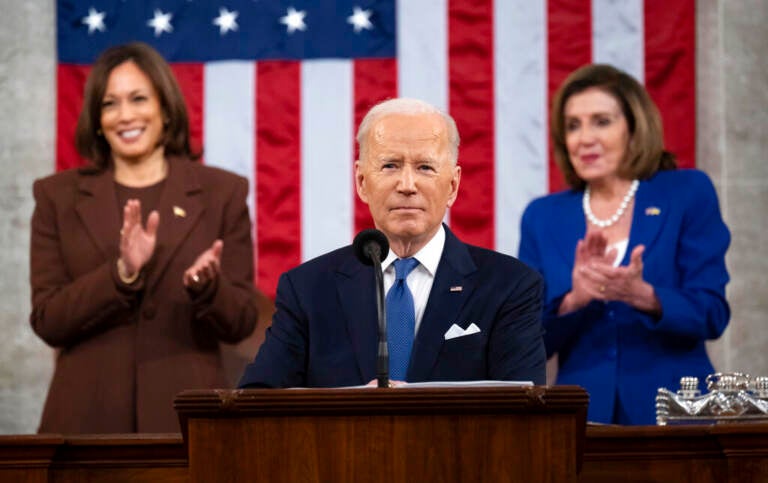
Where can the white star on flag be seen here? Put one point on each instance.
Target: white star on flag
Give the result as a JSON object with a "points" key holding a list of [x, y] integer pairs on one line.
{"points": [[294, 20], [161, 22], [94, 20], [226, 20], [360, 19]]}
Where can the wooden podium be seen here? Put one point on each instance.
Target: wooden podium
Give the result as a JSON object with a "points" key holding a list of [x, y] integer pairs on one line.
{"points": [[455, 434]]}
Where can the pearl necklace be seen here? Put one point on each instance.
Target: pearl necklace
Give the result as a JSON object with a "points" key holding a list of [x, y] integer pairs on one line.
{"points": [[613, 219]]}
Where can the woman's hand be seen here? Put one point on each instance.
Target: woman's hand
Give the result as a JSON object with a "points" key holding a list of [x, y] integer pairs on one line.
{"points": [[588, 284], [626, 284], [205, 269], [137, 244]]}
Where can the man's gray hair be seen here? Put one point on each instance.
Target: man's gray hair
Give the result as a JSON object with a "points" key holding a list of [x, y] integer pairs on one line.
{"points": [[403, 105]]}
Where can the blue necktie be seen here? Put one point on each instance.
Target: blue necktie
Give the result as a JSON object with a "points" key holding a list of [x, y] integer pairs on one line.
{"points": [[401, 320]]}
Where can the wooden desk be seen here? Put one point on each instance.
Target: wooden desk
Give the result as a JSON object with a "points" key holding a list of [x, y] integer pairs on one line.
{"points": [[114, 458], [727, 453], [447, 434], [698, 454]]}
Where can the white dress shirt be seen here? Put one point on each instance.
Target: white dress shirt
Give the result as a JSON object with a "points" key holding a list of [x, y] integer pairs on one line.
{"points": [[421, 278], [621, 250]]}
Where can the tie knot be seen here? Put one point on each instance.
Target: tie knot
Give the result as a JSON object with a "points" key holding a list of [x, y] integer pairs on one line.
{"points": [[404, 266]]}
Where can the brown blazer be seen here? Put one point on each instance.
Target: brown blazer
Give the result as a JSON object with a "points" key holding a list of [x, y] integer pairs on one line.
{"points": [[124, 352]]}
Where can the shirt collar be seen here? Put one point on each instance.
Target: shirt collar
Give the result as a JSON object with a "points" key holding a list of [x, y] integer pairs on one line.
{"points": [[428, 256]]}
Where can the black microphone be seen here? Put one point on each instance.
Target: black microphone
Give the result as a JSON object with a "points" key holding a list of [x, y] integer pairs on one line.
{"points": [[371, 247]]}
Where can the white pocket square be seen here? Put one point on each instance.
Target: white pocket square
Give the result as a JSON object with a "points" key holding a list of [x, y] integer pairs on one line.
{"points": [[456, 331]]}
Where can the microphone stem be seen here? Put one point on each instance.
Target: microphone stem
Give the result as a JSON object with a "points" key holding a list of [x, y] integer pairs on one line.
{"points": [[382, 362]]}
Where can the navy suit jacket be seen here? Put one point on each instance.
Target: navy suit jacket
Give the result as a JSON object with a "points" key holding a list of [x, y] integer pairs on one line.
{"points": [[324, 331], [611, 349]]}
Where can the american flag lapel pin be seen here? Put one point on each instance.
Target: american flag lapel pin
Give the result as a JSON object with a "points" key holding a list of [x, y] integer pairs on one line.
{"points": [[456, 288], [179, 211], [652, 211]]}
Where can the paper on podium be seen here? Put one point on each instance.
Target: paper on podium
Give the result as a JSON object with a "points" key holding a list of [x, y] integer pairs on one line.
{"points": [[466, 384], [428, 384]]}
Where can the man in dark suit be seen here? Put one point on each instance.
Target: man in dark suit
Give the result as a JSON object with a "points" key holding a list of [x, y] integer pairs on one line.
{"points": [[467, 313]]}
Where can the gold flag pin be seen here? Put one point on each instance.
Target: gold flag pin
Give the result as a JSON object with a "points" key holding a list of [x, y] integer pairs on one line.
{"points": [[652, 211], [179, 211]]}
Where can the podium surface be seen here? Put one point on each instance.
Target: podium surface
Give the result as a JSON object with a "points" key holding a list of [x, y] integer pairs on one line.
{"points": [[456, 434]]}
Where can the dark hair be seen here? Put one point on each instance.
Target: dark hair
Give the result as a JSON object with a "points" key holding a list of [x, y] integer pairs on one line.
{"points": [[91, 144], [645, 153]]}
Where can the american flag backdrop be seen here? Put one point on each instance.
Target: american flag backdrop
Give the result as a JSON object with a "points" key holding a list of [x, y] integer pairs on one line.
{"points": [[276, 89]]}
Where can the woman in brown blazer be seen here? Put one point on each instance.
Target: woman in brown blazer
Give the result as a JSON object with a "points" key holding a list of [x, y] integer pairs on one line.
{"points": [[136, 309]]}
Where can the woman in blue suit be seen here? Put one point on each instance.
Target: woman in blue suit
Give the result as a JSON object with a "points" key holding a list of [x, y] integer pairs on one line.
{"points": [[633, 254]]}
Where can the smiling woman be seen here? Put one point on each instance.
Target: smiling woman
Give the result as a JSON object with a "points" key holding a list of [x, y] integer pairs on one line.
{"points": [[132, 122], [633, 254], [137, 309], [149, 67]]}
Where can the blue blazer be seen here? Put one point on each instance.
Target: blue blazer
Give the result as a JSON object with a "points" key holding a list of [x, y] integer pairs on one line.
{"points": [[324, 331], [612, 350]]}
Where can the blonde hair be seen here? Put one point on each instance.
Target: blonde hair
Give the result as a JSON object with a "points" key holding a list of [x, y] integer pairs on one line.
{"points": [[645, 153]]}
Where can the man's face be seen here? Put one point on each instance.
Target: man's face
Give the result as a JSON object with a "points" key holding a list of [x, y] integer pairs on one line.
{"points": [[407, 177]]}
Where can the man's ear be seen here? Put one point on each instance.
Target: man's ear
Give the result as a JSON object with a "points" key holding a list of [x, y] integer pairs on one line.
{"points": [[360, 182], [455, 181]]}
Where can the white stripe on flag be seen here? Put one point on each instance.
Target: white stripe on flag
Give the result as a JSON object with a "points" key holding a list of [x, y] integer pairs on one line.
{"points": [[326, 156], [422, 51], [422, 54], [520, 66], [618, 35], [230, 120]]}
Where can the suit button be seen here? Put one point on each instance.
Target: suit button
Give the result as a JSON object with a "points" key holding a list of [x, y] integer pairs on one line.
{"points": [[149, 311], [610, 313], [612, 353]]}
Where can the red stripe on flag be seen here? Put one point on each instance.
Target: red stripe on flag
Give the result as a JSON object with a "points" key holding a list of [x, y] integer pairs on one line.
{"points": [[69, 89], [278, 170], [569, 46], [471, 98], [191, 78], [375, 80], [670, 75]]}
